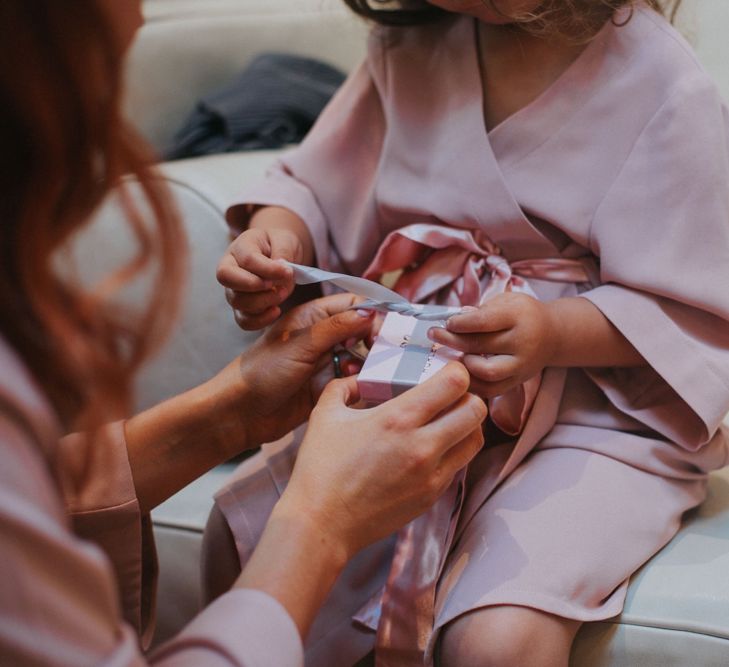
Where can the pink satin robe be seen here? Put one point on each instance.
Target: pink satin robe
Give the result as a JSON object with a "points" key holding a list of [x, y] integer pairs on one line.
{"points": [[623, 162], [78, 561]]}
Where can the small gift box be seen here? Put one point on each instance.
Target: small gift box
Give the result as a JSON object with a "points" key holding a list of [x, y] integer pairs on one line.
{"points": [[401, 357]]}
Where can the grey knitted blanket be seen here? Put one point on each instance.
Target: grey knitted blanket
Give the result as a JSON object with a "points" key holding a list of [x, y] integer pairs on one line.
{"points": [[273, 102]]}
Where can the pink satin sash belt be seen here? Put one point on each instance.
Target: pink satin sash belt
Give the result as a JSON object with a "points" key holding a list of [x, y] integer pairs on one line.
{"points": [[454, 267], [462, 267]]}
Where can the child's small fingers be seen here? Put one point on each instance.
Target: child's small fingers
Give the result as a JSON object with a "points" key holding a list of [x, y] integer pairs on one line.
{"points": [[491, 369], [263, 266], [499, 342], [255, 322], [231, 275], [491, 316], [256, 303]]}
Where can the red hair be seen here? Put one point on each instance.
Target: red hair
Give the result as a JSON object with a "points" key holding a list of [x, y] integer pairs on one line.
{"points": [[64, 146]]}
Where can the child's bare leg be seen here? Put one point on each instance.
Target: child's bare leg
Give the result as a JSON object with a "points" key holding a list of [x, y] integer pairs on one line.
{"points": [[507, 636]]}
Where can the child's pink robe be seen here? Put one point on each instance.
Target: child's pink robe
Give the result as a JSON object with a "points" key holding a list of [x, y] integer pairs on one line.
{"points": [[623, 161]]}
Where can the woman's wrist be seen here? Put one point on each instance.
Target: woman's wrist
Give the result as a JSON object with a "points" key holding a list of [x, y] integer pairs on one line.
{"points": [[295, 562], [313, 527], [225, 398], [173, 443]]}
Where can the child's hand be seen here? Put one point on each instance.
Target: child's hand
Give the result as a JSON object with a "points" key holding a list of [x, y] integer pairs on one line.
{"points": [[507, 340], [256, 284]]}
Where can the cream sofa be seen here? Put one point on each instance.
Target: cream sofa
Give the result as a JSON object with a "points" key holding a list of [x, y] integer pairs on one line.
{"points": [[677, 611]]}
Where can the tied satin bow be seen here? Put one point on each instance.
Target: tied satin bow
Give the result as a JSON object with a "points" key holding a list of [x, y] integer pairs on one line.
{"points": [[461, 267]]}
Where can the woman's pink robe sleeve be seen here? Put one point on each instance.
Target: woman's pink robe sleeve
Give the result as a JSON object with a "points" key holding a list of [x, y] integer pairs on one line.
{"points": [[662, 236], [328, 179], [61, 576], [101, 501]]}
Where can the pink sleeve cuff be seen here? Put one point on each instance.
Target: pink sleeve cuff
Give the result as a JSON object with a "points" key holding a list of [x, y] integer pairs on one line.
{"points": [[101, 501], [243, 628], [281, 188], [680, 394]]}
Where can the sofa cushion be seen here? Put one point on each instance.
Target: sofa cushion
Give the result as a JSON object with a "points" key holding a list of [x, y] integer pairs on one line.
{"points": [[205, 337], [188, 48], [677, 609]]}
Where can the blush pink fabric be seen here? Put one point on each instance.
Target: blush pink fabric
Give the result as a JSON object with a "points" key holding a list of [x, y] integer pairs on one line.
{"points": [[623, 165], [78, 563], [456, 267]]}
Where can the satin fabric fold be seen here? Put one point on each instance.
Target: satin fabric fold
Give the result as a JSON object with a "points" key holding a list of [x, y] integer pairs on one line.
{"points": [[461, 267], [454, 267]]}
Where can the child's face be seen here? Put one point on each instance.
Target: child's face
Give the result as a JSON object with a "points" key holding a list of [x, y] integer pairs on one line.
{"points": [[489, 11]]}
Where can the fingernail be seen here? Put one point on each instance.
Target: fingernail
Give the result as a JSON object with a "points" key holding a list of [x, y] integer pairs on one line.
{"points": [[431, 332], [364, 312], [468, 309]]}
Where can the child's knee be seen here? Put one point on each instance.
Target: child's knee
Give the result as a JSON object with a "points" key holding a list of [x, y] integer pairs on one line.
{"points": [[507, 637], [219, 562]]}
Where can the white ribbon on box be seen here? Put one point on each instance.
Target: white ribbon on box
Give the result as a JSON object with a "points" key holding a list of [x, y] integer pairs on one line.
{"points": [[378, 296]]}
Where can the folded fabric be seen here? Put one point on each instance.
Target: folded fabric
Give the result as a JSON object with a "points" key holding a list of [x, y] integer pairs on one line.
{"points": [[273, 102]]}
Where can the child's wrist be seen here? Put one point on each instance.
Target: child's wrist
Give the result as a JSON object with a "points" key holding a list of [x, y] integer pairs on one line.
{"points": [[554, 334], [277, 220]]}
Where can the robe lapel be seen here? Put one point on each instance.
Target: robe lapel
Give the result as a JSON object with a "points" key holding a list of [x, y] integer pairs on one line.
{"points": [[442, 157]]}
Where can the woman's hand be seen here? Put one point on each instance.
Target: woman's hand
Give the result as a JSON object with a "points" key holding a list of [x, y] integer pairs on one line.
{"points": [[507, 340], [361, 474], [277, 381]]}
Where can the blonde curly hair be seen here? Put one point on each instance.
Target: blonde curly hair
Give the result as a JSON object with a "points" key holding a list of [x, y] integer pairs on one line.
{"points": [[572, 20]]}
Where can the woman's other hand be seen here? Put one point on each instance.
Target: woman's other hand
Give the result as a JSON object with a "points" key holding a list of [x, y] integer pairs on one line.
{"points": [[363, 473], [276, 382]]}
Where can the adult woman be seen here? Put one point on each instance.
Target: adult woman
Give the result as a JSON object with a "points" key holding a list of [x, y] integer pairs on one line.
{"points": [[67, 359]]}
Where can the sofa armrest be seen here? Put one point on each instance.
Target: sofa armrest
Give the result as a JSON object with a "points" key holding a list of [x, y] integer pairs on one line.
{"points": [[205, 337], [187, 48]]}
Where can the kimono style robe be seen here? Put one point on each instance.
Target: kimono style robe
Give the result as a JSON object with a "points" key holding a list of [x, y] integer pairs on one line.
{"points": [[78, 561], [623, 163]]}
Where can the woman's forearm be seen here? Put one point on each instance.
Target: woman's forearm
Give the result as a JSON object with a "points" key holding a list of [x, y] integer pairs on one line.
{"points": [[586, 338], [295, 563], [175, 442]]}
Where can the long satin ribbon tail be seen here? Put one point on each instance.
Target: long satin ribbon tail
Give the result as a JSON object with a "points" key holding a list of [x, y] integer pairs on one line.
{"points": [[408, 602]]}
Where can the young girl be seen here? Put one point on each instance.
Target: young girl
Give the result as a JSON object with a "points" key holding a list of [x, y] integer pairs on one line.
{"points": [[564, 167]]}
